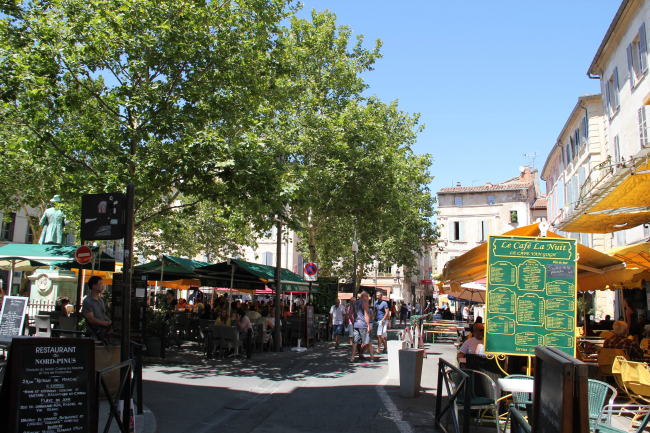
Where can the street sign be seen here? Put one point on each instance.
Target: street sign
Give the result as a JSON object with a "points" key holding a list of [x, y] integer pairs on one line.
{"points": [[531, 294], [311, 272], [102, 216], [83, 255]]}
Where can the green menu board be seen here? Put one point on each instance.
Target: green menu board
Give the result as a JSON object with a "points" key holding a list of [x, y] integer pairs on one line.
{"points": [[531, 294]]}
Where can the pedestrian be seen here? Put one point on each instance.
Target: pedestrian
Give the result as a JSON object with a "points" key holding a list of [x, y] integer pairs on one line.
{"points": [[337, 318], [403, 311], [381, 316], [393, 314], [362, 326], [94, 311], [409, 310], [418, 310], [466, 313], [349, 321]]}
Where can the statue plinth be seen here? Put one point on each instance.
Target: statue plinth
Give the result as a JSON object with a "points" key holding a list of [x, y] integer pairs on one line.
{"points": [[48, 284]]}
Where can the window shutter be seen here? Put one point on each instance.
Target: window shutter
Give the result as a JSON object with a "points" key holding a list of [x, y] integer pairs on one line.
{"points": [[461, 231], [608, 98], [585, 132], [643, 49], [486, 229], [576, 139], [630, 65], [616, 98]]}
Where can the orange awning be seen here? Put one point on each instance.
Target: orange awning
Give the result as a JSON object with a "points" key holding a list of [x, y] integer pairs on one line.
{"points": [[176, 284]]}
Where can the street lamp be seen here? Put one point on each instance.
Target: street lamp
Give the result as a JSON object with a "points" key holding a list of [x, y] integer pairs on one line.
{"points": [[355, 250]]}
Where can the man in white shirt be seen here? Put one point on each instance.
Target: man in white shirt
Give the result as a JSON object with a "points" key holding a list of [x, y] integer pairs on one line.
{"points": [[337, 316], [473, 345], [466, 313]]}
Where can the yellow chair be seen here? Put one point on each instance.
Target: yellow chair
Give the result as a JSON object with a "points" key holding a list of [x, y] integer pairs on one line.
{"points": [[606, 358], [635, 379], [606, 334]]}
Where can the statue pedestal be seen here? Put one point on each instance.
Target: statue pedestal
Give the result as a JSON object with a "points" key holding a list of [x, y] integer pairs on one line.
{"points": [[48, 284]]}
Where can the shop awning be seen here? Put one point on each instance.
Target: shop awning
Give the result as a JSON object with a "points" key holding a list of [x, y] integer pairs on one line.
{"points": [[618, 203], [635, 256], [61, 256], [176, 268], [254, 273], [472, 265], [22, 265], [176, 285]]}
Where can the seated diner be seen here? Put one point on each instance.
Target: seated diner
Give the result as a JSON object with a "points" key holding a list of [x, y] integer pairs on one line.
{"points": [[473, 345], [620, 341]]}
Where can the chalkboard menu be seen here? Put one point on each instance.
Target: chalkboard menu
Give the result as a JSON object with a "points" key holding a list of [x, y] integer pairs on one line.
{"points": [[12, 316], [310, 324], [560, 396], [49, 386], [531, 293]]}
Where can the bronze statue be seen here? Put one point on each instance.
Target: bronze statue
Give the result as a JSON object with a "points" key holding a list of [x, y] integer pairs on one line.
{"points": [[53, 222]]}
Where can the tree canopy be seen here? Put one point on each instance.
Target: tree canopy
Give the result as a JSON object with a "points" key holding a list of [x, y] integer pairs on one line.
{"points": [[220, 113]]}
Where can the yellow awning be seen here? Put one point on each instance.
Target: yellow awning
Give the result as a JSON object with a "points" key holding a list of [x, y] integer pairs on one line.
{"points": [[624, 207], [472, 265], [632, 192], [635, 256], [602, 223]]}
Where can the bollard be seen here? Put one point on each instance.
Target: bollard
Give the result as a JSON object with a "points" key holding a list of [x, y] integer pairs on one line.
{"points": [[410, 371], [393, 358], [249, 341]]}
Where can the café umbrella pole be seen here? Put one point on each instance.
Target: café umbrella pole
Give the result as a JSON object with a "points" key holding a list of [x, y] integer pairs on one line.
{"points": [[11, 278], [232, 277], [278, 285]]}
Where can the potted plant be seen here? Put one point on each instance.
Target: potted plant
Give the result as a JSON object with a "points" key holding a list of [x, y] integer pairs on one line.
{"points": [[155, 323]]}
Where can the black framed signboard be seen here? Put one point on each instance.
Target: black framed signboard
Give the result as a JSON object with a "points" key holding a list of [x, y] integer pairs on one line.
{"points": [[531, 294], [12, 317], [49, 386]]}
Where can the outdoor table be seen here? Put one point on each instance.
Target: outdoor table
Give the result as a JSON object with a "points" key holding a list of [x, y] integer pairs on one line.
{"points": [[516, 385]]}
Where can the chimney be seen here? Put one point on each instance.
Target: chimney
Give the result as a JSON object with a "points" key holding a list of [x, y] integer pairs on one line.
{"points": [[488, 183], [457, 184]]}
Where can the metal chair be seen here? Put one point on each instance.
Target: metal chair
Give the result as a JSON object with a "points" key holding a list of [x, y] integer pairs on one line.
{"points": [[230, 339], [603, 422], [476, 402], [216, 338], [521, 399], [634, 379], [43, 327], [597, 396], [258, 335], [67, 324], [606, 359]]}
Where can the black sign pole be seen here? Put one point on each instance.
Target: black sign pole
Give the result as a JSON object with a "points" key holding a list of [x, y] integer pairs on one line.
{"points": [[127, 270], [80, 288], [278, 288]]}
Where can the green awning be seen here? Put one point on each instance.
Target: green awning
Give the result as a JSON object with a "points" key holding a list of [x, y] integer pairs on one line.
{"points": [[175, 268], [290, 282], [61, 256]]}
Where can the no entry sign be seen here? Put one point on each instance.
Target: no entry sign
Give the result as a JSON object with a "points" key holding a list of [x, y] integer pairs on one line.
{"points": [[311, 272], [83, 255]]}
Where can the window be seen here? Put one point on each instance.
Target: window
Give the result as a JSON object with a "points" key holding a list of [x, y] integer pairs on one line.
{"points": [[483, 230], [7, 232], [643, 129], [490, 199], [637, 56], [612, 93], [585, 132], [513, 216], [617, 151], [29, 236], [620, 238], [267, 258], [576, 140], [459, 201], [458, 231], [572, 147], [301, 266]]}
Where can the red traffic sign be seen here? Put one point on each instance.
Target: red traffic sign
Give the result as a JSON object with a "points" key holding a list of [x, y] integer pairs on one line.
{"points": [[311, 269], [83, 255]]}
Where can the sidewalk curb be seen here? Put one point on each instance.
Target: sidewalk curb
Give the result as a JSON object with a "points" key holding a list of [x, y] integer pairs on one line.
{"points": [[149, 421]]}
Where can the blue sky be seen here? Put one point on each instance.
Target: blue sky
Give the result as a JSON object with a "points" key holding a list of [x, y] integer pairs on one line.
{"points": [[493, 80]]}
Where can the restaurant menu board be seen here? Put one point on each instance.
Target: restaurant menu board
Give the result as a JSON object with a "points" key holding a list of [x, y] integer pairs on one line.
{"points": [[12, 316], [49, 386], [531, 294]]}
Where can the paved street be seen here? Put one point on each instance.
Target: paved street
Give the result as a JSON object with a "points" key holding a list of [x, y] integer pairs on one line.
{"points": [[318, 390]]}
